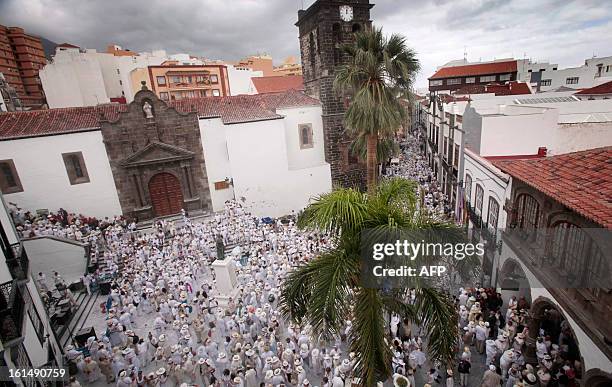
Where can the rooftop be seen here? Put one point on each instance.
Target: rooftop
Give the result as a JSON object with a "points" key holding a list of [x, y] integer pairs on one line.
{"points": [[231, 110], [476, 69], [245, 108], [604, 88], [582, 181], [508, 88], [278, 83]]}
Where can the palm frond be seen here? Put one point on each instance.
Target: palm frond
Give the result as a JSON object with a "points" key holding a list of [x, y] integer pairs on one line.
{"points": [[319, 293], [437, 313], [367, 338], [341, 209]]}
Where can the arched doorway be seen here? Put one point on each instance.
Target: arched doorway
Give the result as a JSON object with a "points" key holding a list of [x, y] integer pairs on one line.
{"points": [[166, 194], [548, 322]]}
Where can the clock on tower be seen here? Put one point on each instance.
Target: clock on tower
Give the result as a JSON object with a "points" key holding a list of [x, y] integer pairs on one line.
{"points": [[346, 13]]}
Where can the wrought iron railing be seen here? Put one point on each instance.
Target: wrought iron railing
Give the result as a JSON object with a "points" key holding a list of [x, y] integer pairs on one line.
{"points": [[12, 308], [19, 263]]}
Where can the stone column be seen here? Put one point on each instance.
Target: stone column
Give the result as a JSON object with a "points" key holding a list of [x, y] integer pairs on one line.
{"points": [[530, 341]]}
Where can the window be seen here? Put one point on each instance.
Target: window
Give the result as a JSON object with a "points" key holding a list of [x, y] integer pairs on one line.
{"points": [[493, 213], [118, 72], [504, 77], [219, 185], [528, 212], [120, 82], [608, 69], [456, 159], [478, 199], [571, 80], [305, 132], [216, 93], [468, 188], [75, 167], [163, 95], [9, 180], [214, 78], [453, 81], [487, 78], [470, 80], [546, 82], [175, 79], [161, 80], [435, 82]]}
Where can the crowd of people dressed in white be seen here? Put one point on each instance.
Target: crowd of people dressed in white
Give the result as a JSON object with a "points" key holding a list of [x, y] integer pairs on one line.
{"points": [[163, 323]]}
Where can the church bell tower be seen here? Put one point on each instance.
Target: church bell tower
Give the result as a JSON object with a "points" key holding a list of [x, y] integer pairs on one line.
{"points": [[323, 28]]}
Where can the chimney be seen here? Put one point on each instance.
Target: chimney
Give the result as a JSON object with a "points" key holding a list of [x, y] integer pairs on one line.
{"points": [[542, 151]]}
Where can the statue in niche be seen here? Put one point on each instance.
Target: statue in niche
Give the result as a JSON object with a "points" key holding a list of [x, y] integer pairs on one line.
{"points": [[147, 109]]}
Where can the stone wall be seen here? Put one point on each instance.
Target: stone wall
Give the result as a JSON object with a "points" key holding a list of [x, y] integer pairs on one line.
{"points": [[139, 147], [322, 34]]}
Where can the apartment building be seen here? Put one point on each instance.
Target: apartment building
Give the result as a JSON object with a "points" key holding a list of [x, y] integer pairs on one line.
{"points": [[453, 76], [545, 76], [21, 58], [171, 81]]}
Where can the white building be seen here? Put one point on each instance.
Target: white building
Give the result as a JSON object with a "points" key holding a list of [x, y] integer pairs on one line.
{"points": [[240, 79], [266, 150], [26, 336], [494, 128], [547, 76], [78, 77]]}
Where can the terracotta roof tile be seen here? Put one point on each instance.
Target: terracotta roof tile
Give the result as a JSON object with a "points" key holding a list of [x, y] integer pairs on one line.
{"points": [[55, 121], [582, 181], [245, 108], [604, 88], [235, 109], [278, 83], [476, 69]]}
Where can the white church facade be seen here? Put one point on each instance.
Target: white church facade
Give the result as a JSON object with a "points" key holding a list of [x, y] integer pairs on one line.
{"points": [[149, 159]]}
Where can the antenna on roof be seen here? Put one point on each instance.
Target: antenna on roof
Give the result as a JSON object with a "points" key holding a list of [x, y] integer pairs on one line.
{"points": [[465, 54]]}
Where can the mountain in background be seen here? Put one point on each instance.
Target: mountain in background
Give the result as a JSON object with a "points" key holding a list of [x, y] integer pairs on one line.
{"points": [[49, 47]]}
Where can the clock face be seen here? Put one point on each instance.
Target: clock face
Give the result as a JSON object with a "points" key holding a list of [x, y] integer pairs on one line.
{"points": [[346, 13]]}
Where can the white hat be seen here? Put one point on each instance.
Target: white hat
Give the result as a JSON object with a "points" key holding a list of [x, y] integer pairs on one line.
{"points": [[492, 367], [201, 361], [161, 371], [277, 371]]}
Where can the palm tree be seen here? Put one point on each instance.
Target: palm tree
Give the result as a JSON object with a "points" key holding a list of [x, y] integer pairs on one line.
{"points": [[380, 70], [328, 290]]}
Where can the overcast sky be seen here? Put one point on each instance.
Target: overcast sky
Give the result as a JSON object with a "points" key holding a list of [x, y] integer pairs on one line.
{"points": [[561, 31]]}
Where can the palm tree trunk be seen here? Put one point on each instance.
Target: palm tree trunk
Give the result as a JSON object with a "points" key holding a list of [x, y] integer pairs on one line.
{"points": [[371, 161]]}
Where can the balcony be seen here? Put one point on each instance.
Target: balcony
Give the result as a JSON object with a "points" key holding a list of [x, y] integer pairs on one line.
{"points": [[18, 263], [583, 298], [12, 311]]}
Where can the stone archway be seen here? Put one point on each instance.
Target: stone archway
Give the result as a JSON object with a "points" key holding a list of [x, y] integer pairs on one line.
{"points": [[166, 194], [547, 315], [597, 378]]}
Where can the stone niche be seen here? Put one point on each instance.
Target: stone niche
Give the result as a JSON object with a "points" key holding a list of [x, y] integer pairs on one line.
{"points": [[156, 158]]}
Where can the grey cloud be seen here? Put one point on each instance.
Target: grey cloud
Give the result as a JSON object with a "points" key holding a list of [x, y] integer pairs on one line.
{"points": [[212, 28]]}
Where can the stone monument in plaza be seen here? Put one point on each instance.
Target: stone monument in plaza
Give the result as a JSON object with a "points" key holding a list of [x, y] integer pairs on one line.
{"points": [[225, 274]]}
